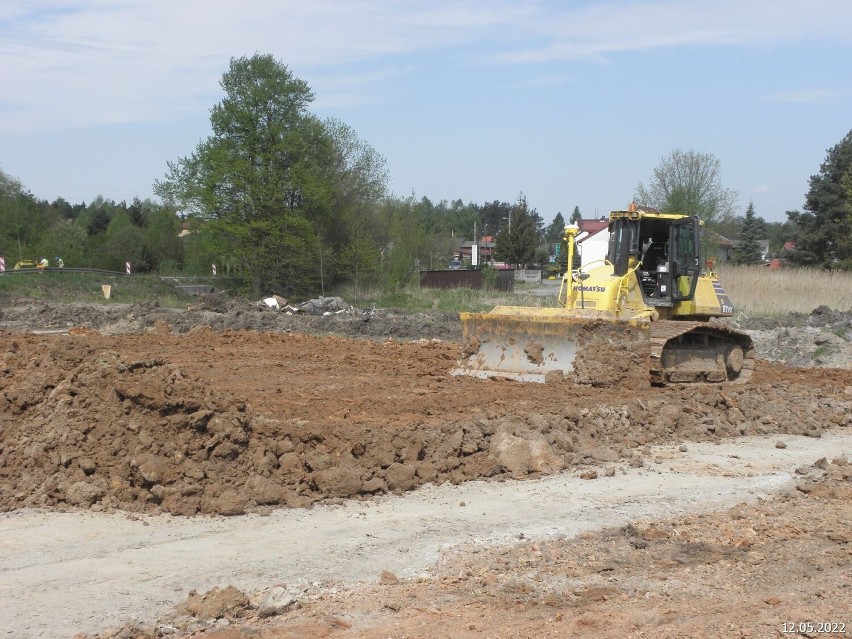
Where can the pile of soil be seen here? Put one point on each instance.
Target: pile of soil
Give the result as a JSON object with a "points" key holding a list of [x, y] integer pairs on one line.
{"points": [[232, 421], [822, 338]]}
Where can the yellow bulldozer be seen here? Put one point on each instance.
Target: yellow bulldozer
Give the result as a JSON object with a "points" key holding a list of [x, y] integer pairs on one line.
{"points": [[640, 315]]}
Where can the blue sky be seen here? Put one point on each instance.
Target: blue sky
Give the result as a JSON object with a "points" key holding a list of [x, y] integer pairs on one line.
{"points": [[571, 103]]}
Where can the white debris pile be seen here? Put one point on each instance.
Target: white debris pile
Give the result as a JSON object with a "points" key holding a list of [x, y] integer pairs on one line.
{"points": [[275, 302], [318, 306], [326, 306]]}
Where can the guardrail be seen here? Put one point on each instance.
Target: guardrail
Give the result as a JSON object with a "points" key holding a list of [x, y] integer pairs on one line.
{"points": [[64, 269]]}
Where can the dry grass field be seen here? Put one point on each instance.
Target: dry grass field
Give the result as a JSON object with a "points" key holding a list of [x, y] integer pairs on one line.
{"points": [[760, 292]]}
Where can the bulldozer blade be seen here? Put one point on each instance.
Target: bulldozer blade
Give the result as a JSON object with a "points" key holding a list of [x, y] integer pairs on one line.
{"points": [[540, 345]]}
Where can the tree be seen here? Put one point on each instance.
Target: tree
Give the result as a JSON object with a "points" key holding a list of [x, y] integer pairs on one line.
{"points": [[163, 246], [824, 231], [98, 215], [575, 215], [688, 182], [516, 243], [494, 216], [274, 186], [748, 251], [68, 241], [257, 175], [554, 232], [123, 242], [23, 220], [361, 258], [404, 243], [355, 179]]}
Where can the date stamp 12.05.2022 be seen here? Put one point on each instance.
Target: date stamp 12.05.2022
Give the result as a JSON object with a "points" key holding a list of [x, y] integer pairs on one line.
{"points": [[814, 627]]}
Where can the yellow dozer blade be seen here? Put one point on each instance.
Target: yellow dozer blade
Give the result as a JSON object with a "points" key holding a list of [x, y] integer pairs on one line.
{"points": [[551, 344]]}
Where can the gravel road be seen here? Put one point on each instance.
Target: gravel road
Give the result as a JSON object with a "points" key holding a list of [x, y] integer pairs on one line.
{"points": [[63, 573]]}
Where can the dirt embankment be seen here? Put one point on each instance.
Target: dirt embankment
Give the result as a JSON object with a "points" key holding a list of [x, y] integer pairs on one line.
{"points": [[225, 422]]}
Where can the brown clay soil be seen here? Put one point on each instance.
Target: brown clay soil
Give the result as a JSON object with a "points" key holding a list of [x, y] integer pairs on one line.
{"points": [[228, 421]]}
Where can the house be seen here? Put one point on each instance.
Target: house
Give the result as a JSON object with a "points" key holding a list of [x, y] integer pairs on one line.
{"points": [[486, 250], [725, 250], [593, 240]]}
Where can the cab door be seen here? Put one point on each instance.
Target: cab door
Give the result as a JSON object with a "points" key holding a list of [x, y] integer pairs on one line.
{"points": [[684, 249]]}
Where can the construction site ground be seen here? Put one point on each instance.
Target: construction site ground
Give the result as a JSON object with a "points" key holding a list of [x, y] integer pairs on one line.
{"points": [[234, 472]]}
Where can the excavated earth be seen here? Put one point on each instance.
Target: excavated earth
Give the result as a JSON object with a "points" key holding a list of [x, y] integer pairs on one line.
{"points": [[232, 408]]}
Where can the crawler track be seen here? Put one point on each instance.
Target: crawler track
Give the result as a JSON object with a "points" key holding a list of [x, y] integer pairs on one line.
{"points": [[702, 352]]}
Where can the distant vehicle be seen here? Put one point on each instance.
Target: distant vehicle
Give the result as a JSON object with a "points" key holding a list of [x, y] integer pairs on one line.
{"points": [[455, 264]]}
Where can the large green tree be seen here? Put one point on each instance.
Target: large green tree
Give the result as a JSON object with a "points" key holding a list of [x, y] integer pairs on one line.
{"points": [[278, 192], [258, 179], [823, 234], [517, 242], [689, 182]]}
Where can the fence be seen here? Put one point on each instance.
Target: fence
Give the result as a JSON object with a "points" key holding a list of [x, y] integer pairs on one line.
{"points": [[464, 278], [531, 275]]}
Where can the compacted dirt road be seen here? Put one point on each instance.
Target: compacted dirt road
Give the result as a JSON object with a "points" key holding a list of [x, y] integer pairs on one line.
{"points": [[141, 467], [94, 570]]}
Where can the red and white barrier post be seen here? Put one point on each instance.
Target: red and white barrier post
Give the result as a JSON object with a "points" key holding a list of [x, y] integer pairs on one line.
{"points": [[127, 267], [213, 266], [2, 264]]}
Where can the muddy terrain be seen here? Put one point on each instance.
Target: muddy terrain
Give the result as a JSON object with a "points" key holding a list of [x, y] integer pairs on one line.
{"points": [[236, 409]]}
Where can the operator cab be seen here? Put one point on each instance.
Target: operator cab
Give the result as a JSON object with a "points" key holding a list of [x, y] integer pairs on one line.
{"points": [[663, 250]]}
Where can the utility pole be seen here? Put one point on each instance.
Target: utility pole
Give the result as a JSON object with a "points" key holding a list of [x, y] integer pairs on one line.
{"points": [[474, 248]]}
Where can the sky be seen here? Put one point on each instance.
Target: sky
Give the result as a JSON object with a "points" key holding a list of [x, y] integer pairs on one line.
{"points": [[571, 103]]}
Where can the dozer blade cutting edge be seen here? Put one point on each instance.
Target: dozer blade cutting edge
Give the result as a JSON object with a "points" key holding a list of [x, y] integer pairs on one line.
{"points": [[549, 344]]}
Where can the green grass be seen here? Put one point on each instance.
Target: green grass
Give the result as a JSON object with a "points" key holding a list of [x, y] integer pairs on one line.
{"points": [[454, 300], [87, 287], [756, 291]]}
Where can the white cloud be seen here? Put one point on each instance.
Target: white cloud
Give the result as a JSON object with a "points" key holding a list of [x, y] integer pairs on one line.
{"points": [[763, 188], [71, 63], [601, 29]]}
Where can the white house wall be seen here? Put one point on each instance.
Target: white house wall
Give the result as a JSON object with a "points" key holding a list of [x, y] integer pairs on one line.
{"points": [[594, 247]]}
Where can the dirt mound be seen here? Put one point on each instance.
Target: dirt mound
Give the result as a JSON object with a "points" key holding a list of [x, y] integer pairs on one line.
{"points": [[238, 420], [822, 338], [126, 319]]}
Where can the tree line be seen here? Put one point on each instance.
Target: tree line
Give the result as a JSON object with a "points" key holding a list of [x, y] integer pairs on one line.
{"points": [[102, 234], [295, 204]]}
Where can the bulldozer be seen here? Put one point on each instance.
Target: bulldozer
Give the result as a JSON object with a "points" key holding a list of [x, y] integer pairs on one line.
{"points": [[641, 315]]}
